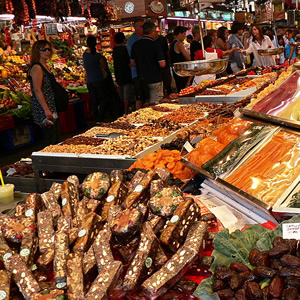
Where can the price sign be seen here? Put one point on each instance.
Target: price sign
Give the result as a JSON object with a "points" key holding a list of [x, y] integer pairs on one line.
{"points": [[291, 231]]}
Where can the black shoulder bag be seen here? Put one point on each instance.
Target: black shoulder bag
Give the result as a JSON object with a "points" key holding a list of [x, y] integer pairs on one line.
{"points": [[61, 97]]}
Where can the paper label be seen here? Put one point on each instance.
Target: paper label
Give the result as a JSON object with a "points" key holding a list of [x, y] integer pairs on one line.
{"points": [[82, 233], [29, 213], [138, 188], [174, 219], [110, 198], [148, 262], [291, 231], [237, 113], [188, 147], [25, 252], [61, 285], [2, 294], [64, 201], [6, 256]]}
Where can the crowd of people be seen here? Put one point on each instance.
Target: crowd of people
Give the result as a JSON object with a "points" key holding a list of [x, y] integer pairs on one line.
{"points": [[143, 65]]}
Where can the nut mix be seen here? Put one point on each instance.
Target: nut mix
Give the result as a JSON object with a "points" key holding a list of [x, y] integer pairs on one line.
{"points": [[123, 145]]}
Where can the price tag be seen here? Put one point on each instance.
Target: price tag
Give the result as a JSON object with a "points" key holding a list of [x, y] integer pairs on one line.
{"points": [[188, 147], [291, 231], [237, 113]]}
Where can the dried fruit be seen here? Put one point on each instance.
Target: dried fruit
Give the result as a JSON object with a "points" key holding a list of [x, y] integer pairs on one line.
{"points": [[238, 267], [241, 294], [290, 294], [262, 259], [290, 261], [285, 272], [253, 290], [236, 282], [218, 285], [252, 256], [225, 275], [225, 294], [278, 251], [276, 287], [264, 272]]}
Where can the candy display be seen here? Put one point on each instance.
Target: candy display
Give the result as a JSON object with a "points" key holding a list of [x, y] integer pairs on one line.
{"points": [[129, 235], [270, 171]]}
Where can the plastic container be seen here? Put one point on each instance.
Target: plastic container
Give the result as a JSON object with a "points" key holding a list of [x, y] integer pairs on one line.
{"points": [[7, 193], [67, 121], [6, 122], [17, 137]]}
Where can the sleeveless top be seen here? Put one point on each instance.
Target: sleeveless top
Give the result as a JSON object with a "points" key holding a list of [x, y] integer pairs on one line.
{"points": [[175, 56], [38, 111]]}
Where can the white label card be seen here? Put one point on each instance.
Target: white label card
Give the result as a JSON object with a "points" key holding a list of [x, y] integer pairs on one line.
{"points": [[291, 231], [237, 113], [188, 147]]}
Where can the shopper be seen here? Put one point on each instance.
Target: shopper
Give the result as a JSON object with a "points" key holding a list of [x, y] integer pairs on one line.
{"points": [[214, 35], [210, 53], [179, 54], [43, 104], [96, 72], [148, 57], [281, 44], [290, 51], [196, 42], [140, 93], [165, 72], [259, 42], [222, 40], [236, 59], [122, 69]]}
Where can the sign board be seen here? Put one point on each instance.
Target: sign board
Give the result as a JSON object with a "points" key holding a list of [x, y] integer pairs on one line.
{"points": [[51, 28]]}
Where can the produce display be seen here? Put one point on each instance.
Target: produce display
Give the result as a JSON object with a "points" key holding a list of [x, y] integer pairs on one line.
{"points": [[142, 116], [127, 243], [124, 145], [209, 147], [282, 102], [271, 170], [167, 159], [255, 263], [183, 116]]}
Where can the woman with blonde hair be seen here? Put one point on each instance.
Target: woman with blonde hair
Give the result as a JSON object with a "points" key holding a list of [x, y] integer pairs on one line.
{"points": [[43, 104]]}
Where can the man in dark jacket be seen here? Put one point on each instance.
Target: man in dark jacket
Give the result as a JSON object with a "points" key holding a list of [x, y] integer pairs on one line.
{"points": [[148, 57], [122, 69]]}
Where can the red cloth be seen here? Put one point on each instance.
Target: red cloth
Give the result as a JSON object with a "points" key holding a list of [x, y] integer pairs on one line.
{"points": [[199, 54]]}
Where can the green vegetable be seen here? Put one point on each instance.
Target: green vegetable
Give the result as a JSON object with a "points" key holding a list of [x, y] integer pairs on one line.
{"points": [[236, 247], [175, 194], [15, 97], [24, 113]]}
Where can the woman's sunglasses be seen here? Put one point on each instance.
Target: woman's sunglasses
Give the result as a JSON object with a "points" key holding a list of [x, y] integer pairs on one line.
{"points": [[45, 49]]}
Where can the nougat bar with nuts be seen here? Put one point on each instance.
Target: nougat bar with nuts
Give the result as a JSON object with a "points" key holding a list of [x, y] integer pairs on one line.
{"points": [[21, 275], [105, 282], [5, 280], [177, 228], [61, 252], [143, 258], [45, 230], [75, 282], [88, 231]]}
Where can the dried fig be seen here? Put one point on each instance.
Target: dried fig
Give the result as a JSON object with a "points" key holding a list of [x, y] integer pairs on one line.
{"points": [[252, 256], [278, 241], [293, 281], [236, 282], [292, 243], [248, 276], [221, 268], [276, 287], [264, 272], [278, 251], [290, 294], [241, 294], [225, 275], [262, 259], [218, 285], [285, 272], [276, 265], [253, 290], [225, 294], [238, 267], [290, 261]]}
